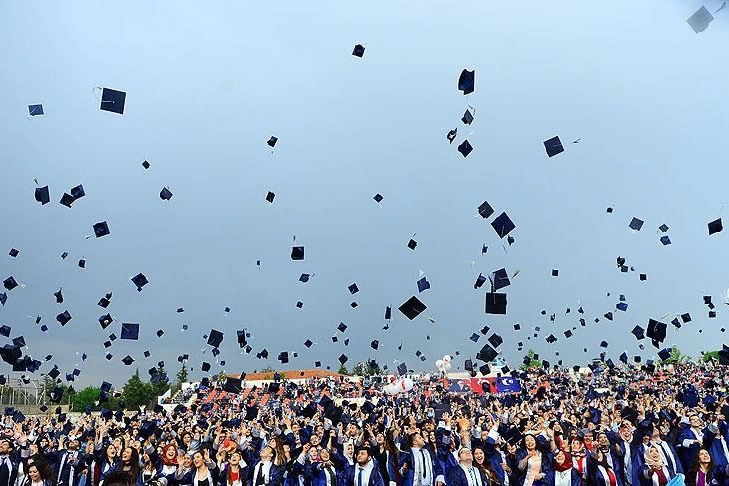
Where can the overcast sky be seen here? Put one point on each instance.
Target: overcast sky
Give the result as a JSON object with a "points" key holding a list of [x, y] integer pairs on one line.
{"points": [[208, 83]]}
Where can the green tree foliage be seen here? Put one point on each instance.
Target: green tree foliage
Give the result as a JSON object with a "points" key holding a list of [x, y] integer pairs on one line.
{"points": [[532, 362], [343, 370], [676, 357], [136, 392], [364, 369], [182, 374], [710, 357]]}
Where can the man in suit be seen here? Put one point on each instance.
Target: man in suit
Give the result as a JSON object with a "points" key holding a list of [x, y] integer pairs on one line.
{"points": [[11, 467], [365, 471], [265, 472], [71, 463], [465, 474], [419, 466]]}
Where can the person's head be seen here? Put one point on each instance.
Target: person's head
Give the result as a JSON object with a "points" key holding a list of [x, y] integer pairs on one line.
{"points": [[560, 456], [72, 445], [268, 453], [511, 448], [530, 443], [110, 451], [234, 458], [315, 440], [576, 445], [380, 438], [653, 455], [169, 452], [416, 440], [6, 446], [363, 456], [465, 456], [186, 461], [602, 441], [695, 421], [626, 432], [119, 444], [324, 455], [479, 456], [130, 456], [198, 459], [38, 471]]}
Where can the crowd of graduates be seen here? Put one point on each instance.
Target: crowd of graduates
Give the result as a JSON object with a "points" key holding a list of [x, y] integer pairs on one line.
{"points": [[612, 427]]}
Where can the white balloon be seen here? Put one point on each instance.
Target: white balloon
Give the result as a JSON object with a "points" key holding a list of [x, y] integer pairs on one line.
{"points": [[439, 364], [447, 358], [407, 384], [448, 366]]}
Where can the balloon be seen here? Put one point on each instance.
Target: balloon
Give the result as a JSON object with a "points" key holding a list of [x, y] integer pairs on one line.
{"points": [[439, 364], [407, 384], [447, 358], [448, 366]]}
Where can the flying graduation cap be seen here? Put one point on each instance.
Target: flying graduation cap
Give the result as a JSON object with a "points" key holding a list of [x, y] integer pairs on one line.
{"points": [[140, 281], [165, 194], [700, 20], [113, 100], [465, 148], [130, 331], [35, 110], [42, 195], [467, 81], [412, 308], [553, 146], [358, 50], [101, 229]]}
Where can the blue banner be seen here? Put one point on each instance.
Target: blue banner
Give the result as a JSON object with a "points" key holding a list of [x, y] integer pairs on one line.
{"points": [[508, 384]]}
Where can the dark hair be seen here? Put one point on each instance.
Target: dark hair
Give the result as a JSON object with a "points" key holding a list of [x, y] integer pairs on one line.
{"points": [[43, 468], [119, 478]]}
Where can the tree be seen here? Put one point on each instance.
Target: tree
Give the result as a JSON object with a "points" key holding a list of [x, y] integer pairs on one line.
{"points": [[182, 375], [136, 393], [161, 383], [86, 397], [532, 363], [365, 369], [343, 370], [710, 357]]}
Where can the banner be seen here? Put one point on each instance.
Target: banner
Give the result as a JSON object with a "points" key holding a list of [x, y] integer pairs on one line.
{"points": [[508, 384]]}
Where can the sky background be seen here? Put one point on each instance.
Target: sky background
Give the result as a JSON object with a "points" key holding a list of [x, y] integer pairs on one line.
{"points": [[208, 84]]}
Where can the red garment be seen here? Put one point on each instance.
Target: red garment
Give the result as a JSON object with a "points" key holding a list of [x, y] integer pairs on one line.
{"points": [[565, 465], [613, 479], [662, 479]]}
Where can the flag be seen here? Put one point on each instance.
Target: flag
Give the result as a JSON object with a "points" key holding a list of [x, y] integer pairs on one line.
{"points": [[508, 384]]}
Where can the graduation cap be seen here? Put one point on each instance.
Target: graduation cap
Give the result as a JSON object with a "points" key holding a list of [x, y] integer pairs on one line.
{"points": [[412, 244], [358, 50], [466, 81], [378, 198], [270, 196], [423, 284], [551, 339], [467, 117], [113, 100], [495, 303], [665, 240], [656, 330], [59, 296], [299, 304], [130, 331], [715, 226], [622, 306], [664, 354], [66, 200], [272, 141], [215, 338], [609, 316], [82, 263], [10, 283], [480, 280], [487, 353], [19, 341], [42, 195], [34, 110], [700, 20], [636, 224], [388, 312], [13, 252], [5, 331], [105, 320], [638, 332], [412, 308], [402, 369], [465, 148], [205, 366], [451, 135], [140, 281], [503, 225], [353, 289], [165, 194], [499, 279], [104, 302], [686, 317], [101, 229], [553, 146], [343, 359], [3, 298], [64, 254], [63, 317], [568, 333], [145, 164], [495, 340], [283, 357], [474, 337], [308, 343], [297, 253], [78, 192], [127, 360]]}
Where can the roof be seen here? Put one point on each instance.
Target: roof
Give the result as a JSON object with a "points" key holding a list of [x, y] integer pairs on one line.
{"points": [[289, 375]]}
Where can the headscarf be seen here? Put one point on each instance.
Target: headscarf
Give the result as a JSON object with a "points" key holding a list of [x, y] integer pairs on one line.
{"points": [[565, 465], [650, 462], [165, 460]]}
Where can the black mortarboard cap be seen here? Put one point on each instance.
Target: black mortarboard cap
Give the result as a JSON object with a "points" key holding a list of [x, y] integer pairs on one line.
{"points": [[568, 333], [636, 224], [343, 359], [272, 141], [551, 339], [63, 317], [638, 332], [82, 263], [42, 195], [353, 289], [465, 148], [378, 198], [375, 344], [127, 360], [205, 366], [495, 303], [715, 226], [78, 192], [487, 353], [467, 117], [283, 357], [140, 280], [553, 146], [495, 340], [215, 338], [412, 308], [656, 330], [308, 343], [35, 110], [10, 283], [59, 296], [105, 320], [358, 50], [5, 331], [165, 194], [13, 252], [466, 81], [480, 280], [664, 353], [499, 279], [130, 331], [503, 225], [474, 337], [101, 229], [485, 210], [402, 369], [145, 164], [299, 304], [66, 200], [451, 135], [64, 254], [412, 244], [3, 298], [104, 302], [113, 100], [297, 253]]}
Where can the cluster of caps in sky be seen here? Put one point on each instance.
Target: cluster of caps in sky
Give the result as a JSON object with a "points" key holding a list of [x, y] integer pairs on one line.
{"points": [[412, 308]]}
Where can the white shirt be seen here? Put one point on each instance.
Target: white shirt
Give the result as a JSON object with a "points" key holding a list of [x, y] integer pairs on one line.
{"points": [[563, 478], [366, 471], [422, 469], [266, 466], [472, 475]]}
